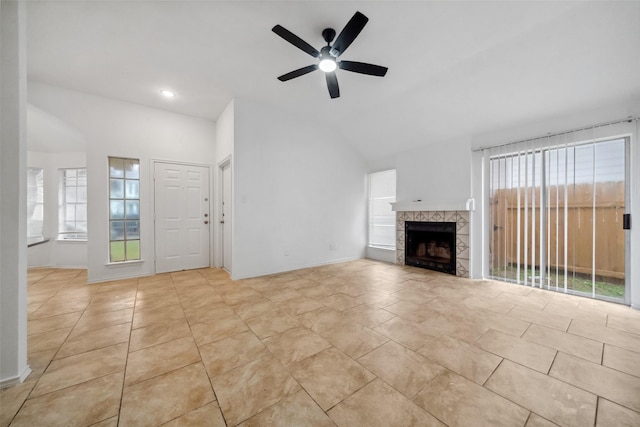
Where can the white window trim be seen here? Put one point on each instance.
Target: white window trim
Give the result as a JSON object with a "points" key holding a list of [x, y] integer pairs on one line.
{"points": [[125, 261], [61, 186], [390, 248]]}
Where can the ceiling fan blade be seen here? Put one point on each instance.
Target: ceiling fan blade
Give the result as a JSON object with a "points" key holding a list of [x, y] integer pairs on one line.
{"points": [[297, 73], [295, 40], [349, 33], [332, 84], [363, 68]]}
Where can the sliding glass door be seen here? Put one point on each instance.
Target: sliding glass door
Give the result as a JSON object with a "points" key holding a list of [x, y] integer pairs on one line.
{"points": [[556, 217]]}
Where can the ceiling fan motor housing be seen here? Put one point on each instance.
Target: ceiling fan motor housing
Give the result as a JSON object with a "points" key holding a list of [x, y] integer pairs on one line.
{"points": [[328, 34], [325, 52]]}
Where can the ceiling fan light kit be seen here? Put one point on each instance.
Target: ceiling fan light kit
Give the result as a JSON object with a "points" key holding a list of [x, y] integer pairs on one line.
{"points": [[327, 61], [328, 55], [327, 65]]}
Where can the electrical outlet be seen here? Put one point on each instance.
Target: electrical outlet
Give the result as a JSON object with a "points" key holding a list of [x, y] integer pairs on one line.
{"points": [[332, 246], [286, 251]]}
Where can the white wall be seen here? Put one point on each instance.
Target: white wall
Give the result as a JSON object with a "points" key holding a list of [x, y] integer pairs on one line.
{"points": [[115, 128], [439, 173], [634, 233], [298, 190], [225, 129], [56, 253], [13, 194]]}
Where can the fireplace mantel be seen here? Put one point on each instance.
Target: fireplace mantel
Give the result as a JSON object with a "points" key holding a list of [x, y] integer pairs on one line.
{"points": [[434, 205]]}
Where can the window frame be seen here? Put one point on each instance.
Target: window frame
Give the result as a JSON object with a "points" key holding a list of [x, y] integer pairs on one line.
{"points": [[63, 205], [34, 200], [370, 214], [130, 252]]}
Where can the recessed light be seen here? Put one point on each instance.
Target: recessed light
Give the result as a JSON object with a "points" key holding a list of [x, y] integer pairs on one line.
{"points": [[167, 93]]}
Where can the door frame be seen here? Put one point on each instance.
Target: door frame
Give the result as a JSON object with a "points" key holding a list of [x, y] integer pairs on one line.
{"points": [[627, 210], [218, 236], [153, 203]]}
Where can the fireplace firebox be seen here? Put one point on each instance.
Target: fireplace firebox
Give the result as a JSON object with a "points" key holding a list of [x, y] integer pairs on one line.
{"points": [[431, 245]]}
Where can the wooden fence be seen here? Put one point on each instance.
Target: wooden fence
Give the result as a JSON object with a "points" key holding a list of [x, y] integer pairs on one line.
{"points": [[576, 215]]}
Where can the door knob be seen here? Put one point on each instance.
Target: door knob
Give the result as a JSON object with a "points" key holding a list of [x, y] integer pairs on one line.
{"points": [[206, 222], [222, 222]]}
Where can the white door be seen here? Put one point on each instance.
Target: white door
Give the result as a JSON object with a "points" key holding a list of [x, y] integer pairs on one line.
{"points": [[181, 216], [226, 217]]}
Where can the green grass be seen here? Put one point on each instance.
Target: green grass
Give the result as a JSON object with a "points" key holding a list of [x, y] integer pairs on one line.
{"points": [[606, 287], [117, 251]]}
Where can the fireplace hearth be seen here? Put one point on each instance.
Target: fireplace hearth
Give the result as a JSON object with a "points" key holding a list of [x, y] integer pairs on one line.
{"points": [[431, 245]]}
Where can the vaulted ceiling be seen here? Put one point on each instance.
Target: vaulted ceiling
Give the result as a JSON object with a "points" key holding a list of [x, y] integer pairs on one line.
{"points": [[456, 68]]}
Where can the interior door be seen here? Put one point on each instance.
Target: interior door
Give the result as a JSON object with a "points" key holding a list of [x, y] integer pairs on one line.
{"points": [[181, 216], [225, 218]]}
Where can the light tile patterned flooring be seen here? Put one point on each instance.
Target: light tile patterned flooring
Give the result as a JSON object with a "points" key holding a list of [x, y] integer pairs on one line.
{"points": [[353, 344]]}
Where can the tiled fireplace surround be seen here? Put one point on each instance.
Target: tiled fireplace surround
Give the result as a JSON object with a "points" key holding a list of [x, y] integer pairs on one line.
{"points": [[461, 218]]}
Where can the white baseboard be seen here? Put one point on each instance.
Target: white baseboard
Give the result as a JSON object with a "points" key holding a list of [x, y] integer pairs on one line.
{"points": [[294, 268], [124, 277], [10, 382]]}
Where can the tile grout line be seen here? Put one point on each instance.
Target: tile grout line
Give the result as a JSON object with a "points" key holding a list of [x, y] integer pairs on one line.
{"points": [[493, 372], [508, 398], [126, 362], [202, 361], [37, 380], [45, 369], [552, 362], [53, 358]]}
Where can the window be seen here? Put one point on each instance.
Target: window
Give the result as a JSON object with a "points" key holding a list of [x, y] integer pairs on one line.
{"points": [[35, 204], [556, 217], [72, 204], [124, 209], [382, 219]]}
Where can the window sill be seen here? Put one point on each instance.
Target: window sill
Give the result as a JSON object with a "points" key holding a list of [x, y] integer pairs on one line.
{"points": [[31, 241], [384, 248], [124, 263], [72, 240]]}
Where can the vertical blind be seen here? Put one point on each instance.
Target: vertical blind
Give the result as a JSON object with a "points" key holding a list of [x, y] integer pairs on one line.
{"points": [[555, 212]]}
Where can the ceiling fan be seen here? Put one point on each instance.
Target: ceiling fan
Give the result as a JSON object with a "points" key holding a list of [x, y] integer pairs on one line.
{"points": [[328, 55]]}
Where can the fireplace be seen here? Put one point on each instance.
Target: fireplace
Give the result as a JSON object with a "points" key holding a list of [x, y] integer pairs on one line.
{"points": [[431, 245], [460, 218]]}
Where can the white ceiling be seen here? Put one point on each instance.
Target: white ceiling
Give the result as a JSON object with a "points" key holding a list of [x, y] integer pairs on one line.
{"points": [[456, 68]]}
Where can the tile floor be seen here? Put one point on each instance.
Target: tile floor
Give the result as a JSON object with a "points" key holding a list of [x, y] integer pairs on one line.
{"points": [[354, 344]]}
